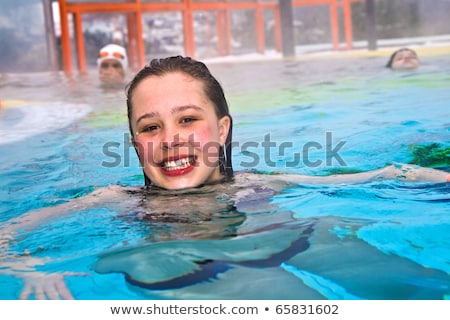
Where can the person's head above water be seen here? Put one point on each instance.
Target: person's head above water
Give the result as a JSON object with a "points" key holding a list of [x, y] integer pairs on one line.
{"points": [[180, 124], [403, 59], [112, 63]]}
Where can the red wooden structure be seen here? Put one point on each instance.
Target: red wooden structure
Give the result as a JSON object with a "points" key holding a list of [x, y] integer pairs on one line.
{"points": [[133, 10]]}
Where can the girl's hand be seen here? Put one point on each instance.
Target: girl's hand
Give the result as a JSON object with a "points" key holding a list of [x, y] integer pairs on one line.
{"points": [[409, 172], [46, 286], [39, 284]]}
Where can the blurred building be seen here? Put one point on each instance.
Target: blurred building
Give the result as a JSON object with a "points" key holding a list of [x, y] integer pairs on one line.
{"points": [[28, 42]]}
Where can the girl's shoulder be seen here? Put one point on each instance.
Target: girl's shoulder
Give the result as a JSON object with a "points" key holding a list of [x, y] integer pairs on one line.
{"points": [[112, 192], [274, 181]]}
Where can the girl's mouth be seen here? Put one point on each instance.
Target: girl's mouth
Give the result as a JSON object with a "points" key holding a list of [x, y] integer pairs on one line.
{"points": [[179, 166]]}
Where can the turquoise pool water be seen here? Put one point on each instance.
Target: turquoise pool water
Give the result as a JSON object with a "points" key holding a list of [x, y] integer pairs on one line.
{"points": [[380, 240]]}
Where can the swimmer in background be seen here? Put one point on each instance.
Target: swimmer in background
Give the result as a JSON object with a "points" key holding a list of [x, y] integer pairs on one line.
{"points": [[181, 129], [403, 59], [112, 65]]}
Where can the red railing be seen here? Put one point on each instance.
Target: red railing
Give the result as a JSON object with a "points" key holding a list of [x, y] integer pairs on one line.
{"points": [[134, 9]]}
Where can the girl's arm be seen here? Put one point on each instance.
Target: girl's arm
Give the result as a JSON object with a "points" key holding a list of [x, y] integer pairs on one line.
{"points": [[22, 265], [403, 172], [34, 218]]}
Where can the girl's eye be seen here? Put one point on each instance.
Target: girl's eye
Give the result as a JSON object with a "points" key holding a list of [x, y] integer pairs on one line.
{"points": [[187, 120], [150, 128]]}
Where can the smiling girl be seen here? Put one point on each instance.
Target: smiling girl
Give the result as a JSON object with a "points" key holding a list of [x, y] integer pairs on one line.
{"points": [[179, 123]]}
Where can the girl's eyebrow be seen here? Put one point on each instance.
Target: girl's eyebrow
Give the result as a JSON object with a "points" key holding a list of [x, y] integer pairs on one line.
{"points": [[186, 107], [173, 110], [147, 115]]}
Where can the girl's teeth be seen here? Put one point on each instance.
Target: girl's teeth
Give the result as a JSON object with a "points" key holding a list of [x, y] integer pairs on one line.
{"points": [[177, 164]]}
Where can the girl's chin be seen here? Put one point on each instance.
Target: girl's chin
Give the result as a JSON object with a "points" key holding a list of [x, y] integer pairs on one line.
{"points": [[176, 182], [189, 178], [179, 186]]}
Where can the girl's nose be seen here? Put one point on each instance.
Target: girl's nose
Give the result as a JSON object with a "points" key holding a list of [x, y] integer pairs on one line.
{"points": [[171, 138]]}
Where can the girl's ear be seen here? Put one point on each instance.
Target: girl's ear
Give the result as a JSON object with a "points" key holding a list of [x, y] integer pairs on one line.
{"points": [[224, 128]]}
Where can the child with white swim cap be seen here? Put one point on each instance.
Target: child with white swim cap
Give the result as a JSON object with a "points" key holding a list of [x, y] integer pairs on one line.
{"points": [[112, 64]]}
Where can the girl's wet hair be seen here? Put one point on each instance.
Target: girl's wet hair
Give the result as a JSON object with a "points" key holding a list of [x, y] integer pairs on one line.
{"points": [[212, 88], [391, 59]]}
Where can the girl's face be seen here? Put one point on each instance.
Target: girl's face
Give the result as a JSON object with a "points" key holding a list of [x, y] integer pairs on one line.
{"points": [[176, 131], [405, 59]]}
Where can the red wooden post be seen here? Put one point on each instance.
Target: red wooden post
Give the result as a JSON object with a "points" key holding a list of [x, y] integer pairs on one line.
{"points": [[348, 24], [221, 46], [131, 41], [259, 24], [228, 35], [139, 48], [334, 24], [65, 38], [79, 41], [277, 26], [189, 43]]}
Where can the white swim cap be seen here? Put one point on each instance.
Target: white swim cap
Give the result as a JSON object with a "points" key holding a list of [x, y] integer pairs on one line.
{"points": [[113, 51]]}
